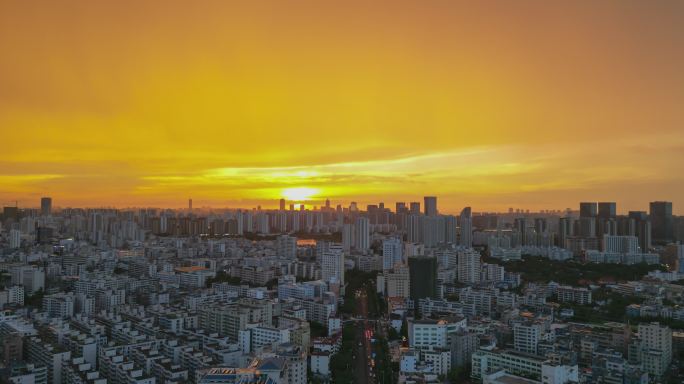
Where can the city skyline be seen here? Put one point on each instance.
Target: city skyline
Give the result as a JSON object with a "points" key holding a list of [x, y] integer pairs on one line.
{"points": [[531, 105], [610, 208]]}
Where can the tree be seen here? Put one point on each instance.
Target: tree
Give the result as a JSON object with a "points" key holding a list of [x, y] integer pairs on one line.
{"points": [[223, 277], [458, 374], [404, 329]]}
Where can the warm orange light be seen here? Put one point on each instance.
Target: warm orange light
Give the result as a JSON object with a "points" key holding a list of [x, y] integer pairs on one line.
{"points": [[237, 104], [300, 193]]}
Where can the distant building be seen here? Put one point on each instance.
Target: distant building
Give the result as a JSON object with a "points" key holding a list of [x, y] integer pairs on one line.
{"points": [[46, 206], [362, 233], [466, 224], [662, 221], [430, 205]]}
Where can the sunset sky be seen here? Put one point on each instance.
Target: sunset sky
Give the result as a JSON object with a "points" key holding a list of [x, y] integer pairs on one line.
{"points": [[492, 104]]}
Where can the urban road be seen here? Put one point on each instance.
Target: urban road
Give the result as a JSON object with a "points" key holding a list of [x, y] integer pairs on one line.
{"points": [[363, 366]]}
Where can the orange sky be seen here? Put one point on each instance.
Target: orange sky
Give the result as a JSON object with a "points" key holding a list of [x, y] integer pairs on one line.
{"points": [[493, 104]]}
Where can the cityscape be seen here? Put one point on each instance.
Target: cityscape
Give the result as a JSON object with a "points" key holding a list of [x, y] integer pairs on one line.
{"points": [[343, 294], [341, 192]]}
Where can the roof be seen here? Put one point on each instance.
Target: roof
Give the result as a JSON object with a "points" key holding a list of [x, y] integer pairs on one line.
{"points": [[271, 364]]}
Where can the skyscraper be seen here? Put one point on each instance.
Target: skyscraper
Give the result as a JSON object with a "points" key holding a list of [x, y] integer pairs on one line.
{"points": [[423, 278], [587, 221], [450, 225], [362, 233], [430, 205], [607, 223], [347, 237], [566, 227], [282, 205], [639, 225], [607, 210], [661, 221], [45, 206], [14, 238], [466, 224], [189, 204], [414, 208], [588, 209], [520, 225]]}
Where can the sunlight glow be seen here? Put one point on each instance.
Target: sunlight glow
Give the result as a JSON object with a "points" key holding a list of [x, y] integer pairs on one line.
{"points": [[300, 193]]}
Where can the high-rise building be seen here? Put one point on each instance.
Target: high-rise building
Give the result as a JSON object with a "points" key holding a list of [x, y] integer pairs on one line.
{"points": [[14, 238], [362, 233], [282, 204], [654, 348], [587, 220], [607, 210], [286, 247], [414, 228], [661, 221], [433, 230], [398, 281], [10, 213], [392, 253], [588, 209], [450, 228], [680, 257], [540, 225], [566, 229], [469, 266], [620, 244], [430, 205], [414, 208], [347, 237], [423, 278], [332, 264], [466, 226], [45, 206], [638, 224], [520, 225], [189, 204]]}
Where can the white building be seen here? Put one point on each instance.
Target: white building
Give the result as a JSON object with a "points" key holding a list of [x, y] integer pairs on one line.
{"points": [[526, 337], [430, 334], [620, 244], [59, 305], [392, 253], [469, 266], [567, 294], [332, 264]]}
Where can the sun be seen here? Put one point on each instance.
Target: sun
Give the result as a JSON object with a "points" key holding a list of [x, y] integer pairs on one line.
{"points": [[299, 193]]}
